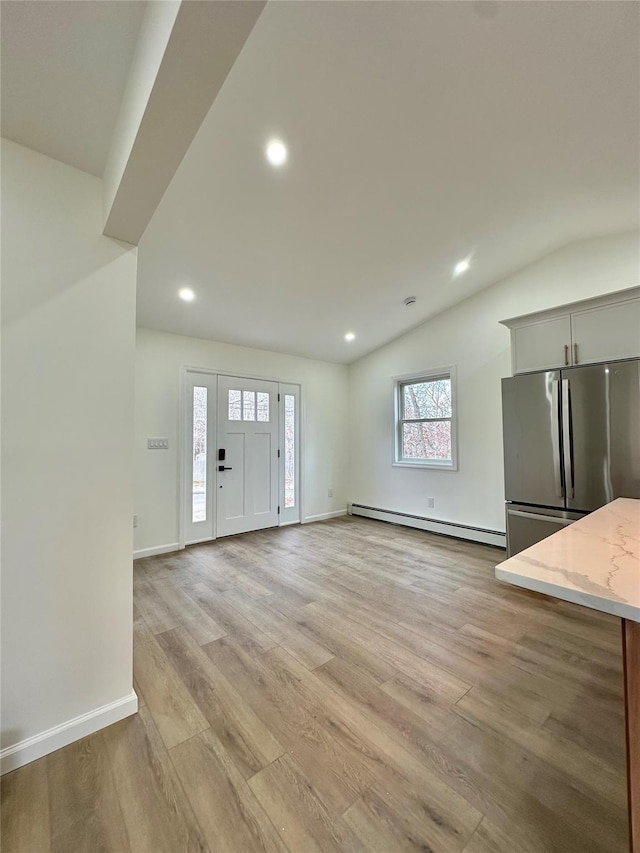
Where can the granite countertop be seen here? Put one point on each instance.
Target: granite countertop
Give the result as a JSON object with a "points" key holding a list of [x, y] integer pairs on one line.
{"points": [[594, 562]]}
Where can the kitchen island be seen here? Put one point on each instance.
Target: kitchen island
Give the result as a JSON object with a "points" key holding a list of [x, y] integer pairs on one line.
{"points": [[595, 562]]}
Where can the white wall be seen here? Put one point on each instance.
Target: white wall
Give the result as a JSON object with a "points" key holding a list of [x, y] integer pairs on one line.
{"points": [[68, 337], [159, 360], [470, 337]]}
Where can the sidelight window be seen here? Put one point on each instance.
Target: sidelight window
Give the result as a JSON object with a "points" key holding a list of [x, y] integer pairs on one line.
{"points": [[199, 455]]}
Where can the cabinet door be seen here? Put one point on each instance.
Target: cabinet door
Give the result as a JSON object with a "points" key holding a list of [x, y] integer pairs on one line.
{"points": [[540, 346], [610, 332]]}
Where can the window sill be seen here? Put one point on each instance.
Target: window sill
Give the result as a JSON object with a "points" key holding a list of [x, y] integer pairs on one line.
{"points": [[434, 466]]}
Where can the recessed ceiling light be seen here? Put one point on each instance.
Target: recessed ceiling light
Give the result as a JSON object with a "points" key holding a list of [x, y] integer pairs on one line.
{"points": [[462, 266], [276, 152], [187, 294], [349, 336]]}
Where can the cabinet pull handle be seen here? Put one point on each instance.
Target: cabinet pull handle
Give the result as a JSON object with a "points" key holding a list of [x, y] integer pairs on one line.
{"points": [[575, 354], [566, 355]]}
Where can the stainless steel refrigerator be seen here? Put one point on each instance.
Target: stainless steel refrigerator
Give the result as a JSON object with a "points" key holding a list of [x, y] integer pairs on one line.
{"points": [[571, 445]]}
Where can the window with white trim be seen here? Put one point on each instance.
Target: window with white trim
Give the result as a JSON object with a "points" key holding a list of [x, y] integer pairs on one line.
{"points": [[425, 427]]}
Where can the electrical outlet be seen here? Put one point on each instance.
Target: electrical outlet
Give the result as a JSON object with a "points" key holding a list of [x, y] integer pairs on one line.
{"points": [[135, 520], [330, 493], [431, 502]]}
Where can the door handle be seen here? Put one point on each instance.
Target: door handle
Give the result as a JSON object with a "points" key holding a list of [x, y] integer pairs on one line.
{"points": [[222, 468], [566, 439], [534, 516], [575, 354], [555, 437], [566, 355]]}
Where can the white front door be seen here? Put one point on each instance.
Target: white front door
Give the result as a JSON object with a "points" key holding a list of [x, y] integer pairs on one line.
{"points": [[246, 459]]}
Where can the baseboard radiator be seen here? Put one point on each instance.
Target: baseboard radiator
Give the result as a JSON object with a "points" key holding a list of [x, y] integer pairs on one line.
{"points": [[431, 525]]}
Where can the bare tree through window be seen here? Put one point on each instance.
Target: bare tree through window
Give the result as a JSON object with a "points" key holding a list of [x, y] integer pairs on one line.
{"points": [[289, 451], [425, 416], [199, 487]]}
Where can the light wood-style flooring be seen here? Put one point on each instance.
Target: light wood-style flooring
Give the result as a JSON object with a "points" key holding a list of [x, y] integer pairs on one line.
{"points": [[344, 686]]}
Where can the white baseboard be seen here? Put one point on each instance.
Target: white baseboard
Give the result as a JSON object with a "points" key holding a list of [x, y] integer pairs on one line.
{"points": [[323, 516], [35, 747], [159, 549], [432, 525]]}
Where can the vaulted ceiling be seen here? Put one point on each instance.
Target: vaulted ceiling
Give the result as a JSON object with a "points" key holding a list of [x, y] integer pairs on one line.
{"points": [[64, 70], [418, 134]]}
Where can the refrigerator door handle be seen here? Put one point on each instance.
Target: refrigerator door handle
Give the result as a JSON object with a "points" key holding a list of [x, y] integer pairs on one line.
{"points": [[566, 438], [534, 516], [555, 436]]}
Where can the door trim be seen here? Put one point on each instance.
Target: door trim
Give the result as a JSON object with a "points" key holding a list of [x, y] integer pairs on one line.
{"points": [[183, 437]]}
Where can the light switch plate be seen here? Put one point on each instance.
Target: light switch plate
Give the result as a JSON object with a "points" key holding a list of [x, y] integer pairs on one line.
{"points": [[157, 444]]}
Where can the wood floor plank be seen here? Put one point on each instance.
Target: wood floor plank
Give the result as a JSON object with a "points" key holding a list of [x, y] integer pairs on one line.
{"points": [[591, 774], [342, 646], [25, 826], [281, 630], [155, 612], [387, 818], [553, 640], [201, 563], [157, 814], [188, 613], [298, 814], [390, 742], [473, 762], [138, 692], [174, 712], [504, 780], [227, 810], [84, 806], [244, 632], [248, 741], [600, 633], [591, 728], [604, 684], [323, 749], [434, 678], [488, 838]]}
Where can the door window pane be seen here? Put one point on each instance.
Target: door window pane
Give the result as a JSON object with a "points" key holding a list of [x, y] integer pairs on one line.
{"points": [[289, 450], [199, 449], [248, 405], [235, 406], [263, 407]]}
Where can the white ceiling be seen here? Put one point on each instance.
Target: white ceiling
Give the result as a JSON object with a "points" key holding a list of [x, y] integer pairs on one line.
{"points": [[64, 68], [419, 133]]}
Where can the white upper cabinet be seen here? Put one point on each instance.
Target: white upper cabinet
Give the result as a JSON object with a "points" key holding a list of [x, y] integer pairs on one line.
{"points": [[542, 345], [594, 330], [610, 332]]}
